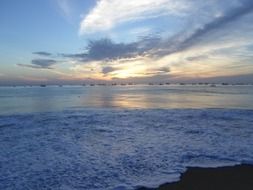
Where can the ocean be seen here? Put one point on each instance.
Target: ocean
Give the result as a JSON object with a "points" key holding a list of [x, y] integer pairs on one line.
{"points": [[120, 137], [54, 98]]}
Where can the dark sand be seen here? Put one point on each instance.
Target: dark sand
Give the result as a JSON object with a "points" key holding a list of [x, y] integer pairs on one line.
{"points": [[223, 178]]}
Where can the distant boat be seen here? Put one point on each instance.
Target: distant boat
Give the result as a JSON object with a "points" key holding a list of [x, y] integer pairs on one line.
{"points": [[43, 85], [92, 84], [101, 84], [212, 85]]}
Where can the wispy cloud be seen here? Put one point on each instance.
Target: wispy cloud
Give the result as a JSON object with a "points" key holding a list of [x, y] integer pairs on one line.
{"points": [[217, 30], [42, 53], [230, 16], [104, 16], [65, 9], [40, 64], [197, 58], [157, 71]]}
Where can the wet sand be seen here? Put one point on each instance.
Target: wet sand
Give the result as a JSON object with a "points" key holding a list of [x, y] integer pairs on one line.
{"points": [[224, 178]]}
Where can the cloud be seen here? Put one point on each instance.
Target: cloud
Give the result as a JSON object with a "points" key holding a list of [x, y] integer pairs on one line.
{"points": [[65, 9], [202, 50], [155, 46], [230, 16], [44, 63], [148, 78], [164, 69], [107, 70], [158, 71], [105, 49], [29, 66], [42, 53], [197, 58], [40, 64], [80, 56], [184, 40], [104, 16]]}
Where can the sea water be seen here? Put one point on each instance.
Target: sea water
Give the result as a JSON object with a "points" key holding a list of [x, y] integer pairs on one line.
{"points": [[121, 137], [54, 98]]}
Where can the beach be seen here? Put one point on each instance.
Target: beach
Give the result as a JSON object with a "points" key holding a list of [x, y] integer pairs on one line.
{"points": [[232, 178]]}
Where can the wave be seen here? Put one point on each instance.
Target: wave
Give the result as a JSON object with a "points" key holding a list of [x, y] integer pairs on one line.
{"points": [[119, 149]]}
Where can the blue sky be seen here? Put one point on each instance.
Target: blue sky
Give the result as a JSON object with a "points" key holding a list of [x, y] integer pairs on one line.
{"points": [[71, 41]]}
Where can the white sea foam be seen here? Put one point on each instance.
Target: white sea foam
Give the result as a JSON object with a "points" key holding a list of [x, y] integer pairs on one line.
{"points": [[119, 149]]}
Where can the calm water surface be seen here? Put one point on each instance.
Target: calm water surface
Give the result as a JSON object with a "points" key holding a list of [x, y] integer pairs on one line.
{"points": [[54, 98]]}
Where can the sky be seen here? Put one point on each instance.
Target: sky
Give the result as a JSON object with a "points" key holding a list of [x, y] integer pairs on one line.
{"points": [[76, 41]]}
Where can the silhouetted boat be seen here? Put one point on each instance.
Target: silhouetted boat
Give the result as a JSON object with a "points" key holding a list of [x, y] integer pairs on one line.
{"points": [[43, 85]]}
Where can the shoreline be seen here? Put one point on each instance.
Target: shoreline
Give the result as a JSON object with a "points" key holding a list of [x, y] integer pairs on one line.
{"points": [[221, 178]]}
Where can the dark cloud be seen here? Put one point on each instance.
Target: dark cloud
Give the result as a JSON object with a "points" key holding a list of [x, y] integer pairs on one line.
{"points": [[164, 69], [42, 53], [106, 49], [75, 56], [40, 64], [44, 63], [107, 70], [31, 66]]}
